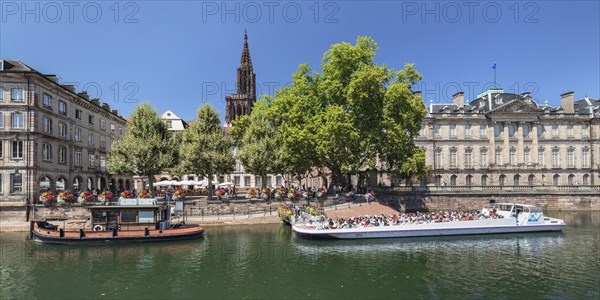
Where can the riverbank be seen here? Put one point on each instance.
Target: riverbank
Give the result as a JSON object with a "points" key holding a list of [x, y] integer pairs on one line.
{"points": [[344, 211]]}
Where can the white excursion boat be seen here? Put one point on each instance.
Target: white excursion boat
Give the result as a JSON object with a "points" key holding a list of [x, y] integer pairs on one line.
{"points": [[494, 218]]}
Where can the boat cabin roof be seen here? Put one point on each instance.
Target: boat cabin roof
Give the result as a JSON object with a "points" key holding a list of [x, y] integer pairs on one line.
{"points": [[126, 207]]}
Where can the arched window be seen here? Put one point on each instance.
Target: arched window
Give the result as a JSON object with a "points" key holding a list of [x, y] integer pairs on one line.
{"points": [[45, 183], [453, 180], [502, 180], [469, 180], [517, 178], [571, 179], [438, 180], [556, 180], [484, 180], [586, 179], [531, 180]]}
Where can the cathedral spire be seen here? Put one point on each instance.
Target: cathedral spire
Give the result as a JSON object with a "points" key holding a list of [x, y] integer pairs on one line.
{"points": [[246, 60], [241, 103]]}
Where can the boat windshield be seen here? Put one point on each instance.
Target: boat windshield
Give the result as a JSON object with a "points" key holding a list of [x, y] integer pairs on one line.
{"points": [[535, 209], [504, 207]]}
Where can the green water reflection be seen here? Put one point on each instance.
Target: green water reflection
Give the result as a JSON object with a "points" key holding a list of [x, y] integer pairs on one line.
{"points": [[268, 261]]}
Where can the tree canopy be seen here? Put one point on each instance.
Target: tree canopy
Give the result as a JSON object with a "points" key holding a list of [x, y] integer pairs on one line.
{"points": [[355, 114], [206, 149], [146, 148]]}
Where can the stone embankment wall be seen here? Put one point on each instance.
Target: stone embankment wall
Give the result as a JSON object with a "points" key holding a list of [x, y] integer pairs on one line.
{"points": [[422, 202]]}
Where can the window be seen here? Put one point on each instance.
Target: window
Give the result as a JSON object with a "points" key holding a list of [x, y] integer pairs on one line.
{"points": [[484, 180], [1, 182], [438, 180], [468, 158], [16, 95], [586, 179], [483, 157], [16, 183], [585, 157], [570, 158], [278, 181], [437, 158], [1, 94], [47, 101], [112, 128], [468, 131], [91, 119], [469, 180], [554, 130], [511, 130], [17, 149], [541, 157], [453, 162], [257, 181], [512, 156], [169, 124], [571, 179], [531, 180], [497, 130], [453, 180], [1, 151], [120, 131], [527, 156], [483, 131], [62, 129], [17, 120], [91, 139], [47, 125], [62, 108], [236, 180], [246, 180], [501, 180], [516, 180], [78, 114], [498, 158], [584, 131], [437, 131], [92, 160], [422, 131], [1, 120], [556, 179], [62, 154], [77, 158], [570, 130], [102, 124], [452, 131], [525, 130], [541, 130], [555, 158], [77, 134], [102, 141], [46, 151]]}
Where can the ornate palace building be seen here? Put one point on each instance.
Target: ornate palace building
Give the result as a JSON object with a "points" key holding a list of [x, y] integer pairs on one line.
{"points": [[51, 137], [503, 139]]}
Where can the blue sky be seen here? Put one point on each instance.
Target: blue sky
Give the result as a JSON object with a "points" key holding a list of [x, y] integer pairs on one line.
{"points": [[180, 54]]}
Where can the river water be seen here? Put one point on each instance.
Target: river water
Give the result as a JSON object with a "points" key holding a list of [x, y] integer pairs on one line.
{"points": [[269, 261]]}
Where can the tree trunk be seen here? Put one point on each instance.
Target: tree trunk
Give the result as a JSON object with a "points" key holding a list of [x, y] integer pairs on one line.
{"points": [[209, 187], [263, 181], [151, 183]]}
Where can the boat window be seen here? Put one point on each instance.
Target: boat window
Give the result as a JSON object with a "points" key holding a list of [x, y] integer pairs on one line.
{"points": [[128, 216], [535, 209], [146, 216]]}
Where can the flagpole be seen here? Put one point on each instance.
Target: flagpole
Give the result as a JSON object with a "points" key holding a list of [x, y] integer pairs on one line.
{"points": [[494, 76]]}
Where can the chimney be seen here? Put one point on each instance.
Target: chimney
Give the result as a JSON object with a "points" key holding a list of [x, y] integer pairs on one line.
{"points": [[70, 87], [115, 112], [106, 106], [95, 101], [52, 77], [567, 102], [84, 95], [459, 99]]}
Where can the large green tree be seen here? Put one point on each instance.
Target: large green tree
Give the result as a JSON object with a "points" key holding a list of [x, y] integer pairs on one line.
{"points": [[355, 114], [259, 143], [206, 148], [146, 148]]}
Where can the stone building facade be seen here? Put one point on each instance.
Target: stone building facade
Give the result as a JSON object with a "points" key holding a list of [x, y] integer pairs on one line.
{"points": [[503, 139], [51, 137], [241, 103]]}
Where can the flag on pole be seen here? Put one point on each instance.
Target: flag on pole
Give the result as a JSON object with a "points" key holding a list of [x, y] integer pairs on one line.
{"points": [[494, 65]]}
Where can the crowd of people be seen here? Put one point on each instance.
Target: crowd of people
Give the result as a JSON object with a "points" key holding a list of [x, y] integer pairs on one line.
{"points": [[408, 218]]}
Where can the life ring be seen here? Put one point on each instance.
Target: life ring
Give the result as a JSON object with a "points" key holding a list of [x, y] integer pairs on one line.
{"points": [[98, 228]]}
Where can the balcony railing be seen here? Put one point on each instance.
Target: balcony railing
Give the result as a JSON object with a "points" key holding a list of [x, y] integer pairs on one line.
{"points": [[494, 188]]}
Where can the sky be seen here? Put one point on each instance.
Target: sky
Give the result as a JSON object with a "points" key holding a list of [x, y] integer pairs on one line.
{"points": [[179, 55]]}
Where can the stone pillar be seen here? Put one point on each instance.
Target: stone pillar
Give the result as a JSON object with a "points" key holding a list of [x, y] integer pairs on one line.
{"points": [[520, 149], [534, 152], [491, 153], [505, 143]]}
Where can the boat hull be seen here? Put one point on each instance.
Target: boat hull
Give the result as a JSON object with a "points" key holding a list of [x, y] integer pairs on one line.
{"points": [[426, 230], [117, 237]]}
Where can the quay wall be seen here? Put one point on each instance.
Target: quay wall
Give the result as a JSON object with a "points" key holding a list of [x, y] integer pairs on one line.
{"points": [[434, 202]]}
